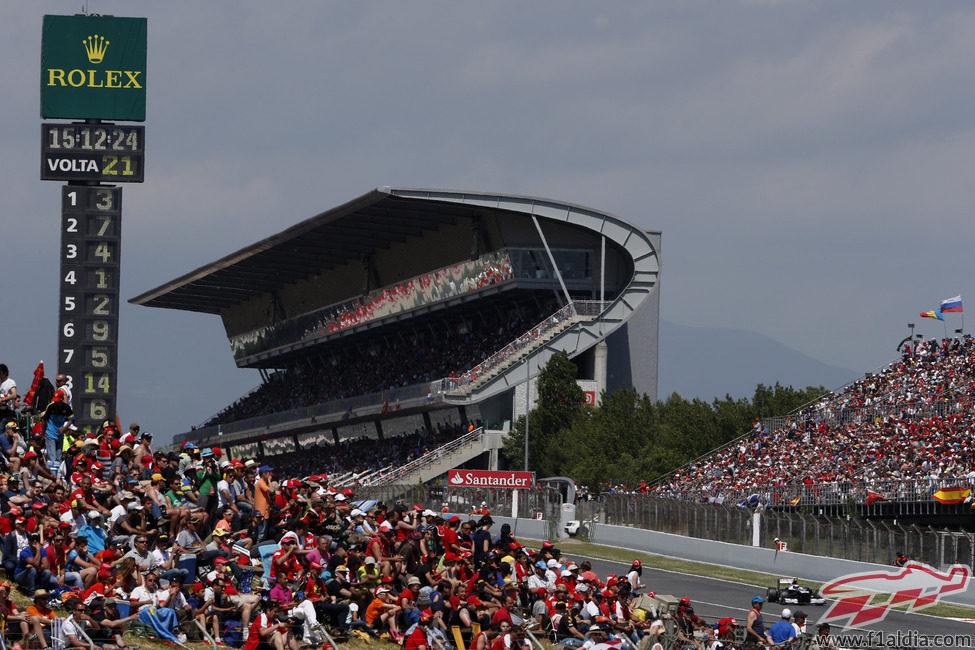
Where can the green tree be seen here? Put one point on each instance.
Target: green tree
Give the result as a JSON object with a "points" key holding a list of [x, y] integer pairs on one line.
{"points": [[607, 444], [560, 402]]}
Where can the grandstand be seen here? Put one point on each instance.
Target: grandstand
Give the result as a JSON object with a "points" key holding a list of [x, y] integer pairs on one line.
{"points": [[408, 310], [897, 443]]}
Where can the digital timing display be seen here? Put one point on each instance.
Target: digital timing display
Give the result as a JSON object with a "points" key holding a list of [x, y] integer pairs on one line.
{"points": [[109, 153], [88, 315]]}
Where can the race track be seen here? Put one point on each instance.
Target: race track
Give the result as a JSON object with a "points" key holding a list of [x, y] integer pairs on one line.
{"points": [[715, 598]]}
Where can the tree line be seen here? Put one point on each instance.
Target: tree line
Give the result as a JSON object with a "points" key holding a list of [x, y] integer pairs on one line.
{"points": [[629, 438]]}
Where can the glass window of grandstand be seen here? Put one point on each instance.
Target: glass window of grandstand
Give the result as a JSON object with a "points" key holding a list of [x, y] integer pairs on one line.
{"points": [[533, 263]]}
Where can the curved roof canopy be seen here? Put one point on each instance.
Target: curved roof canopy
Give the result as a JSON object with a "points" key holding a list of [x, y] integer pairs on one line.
{"points": [[356, 229]]}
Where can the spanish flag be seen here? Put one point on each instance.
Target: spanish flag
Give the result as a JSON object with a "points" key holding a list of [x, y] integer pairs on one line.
{"points": [[951, 495], [795, 501], [932, 314]]}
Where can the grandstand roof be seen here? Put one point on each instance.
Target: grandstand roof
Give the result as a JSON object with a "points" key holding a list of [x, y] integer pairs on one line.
{"points": [[370, 222]]}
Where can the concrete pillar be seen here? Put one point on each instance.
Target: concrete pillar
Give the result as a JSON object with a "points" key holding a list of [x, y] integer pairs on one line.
{"points": [[599, 368], [379, 428], [493, 459]]}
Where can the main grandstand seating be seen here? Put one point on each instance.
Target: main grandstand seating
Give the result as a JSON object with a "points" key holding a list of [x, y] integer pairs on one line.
{"points": [[901, 433], [360, 457], [413, 354]]}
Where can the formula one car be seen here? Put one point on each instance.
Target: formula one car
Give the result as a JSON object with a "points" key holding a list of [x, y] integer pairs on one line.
{"points": [[790, 592]]}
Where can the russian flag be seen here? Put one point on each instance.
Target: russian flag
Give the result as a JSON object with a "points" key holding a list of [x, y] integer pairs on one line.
{"points": [[951, 304]]}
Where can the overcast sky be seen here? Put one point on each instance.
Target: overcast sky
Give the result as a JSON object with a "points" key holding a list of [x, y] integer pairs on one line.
{"points": [[808, 163]]}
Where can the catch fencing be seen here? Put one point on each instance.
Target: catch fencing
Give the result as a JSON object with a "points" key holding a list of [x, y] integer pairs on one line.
{"points": [[868, 497], [844, 537]]}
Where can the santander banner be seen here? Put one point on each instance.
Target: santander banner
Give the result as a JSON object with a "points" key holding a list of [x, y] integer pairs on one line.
{"points": [[483, 478]]}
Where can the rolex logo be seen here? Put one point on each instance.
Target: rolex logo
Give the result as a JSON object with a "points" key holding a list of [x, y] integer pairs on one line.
{"points": [[95, 47]]}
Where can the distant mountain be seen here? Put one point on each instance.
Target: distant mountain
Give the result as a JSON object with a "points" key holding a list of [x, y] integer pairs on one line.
{"points": [[711, 362]]}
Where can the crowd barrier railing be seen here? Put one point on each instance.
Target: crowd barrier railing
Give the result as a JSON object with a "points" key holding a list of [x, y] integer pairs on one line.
{"points": [[395, 475]]}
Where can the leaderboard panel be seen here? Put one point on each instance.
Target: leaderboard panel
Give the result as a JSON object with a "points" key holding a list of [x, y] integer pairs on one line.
{"points": [[88, 316]]}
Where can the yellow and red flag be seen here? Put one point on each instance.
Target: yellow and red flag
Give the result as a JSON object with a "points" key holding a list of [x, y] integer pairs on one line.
{"points": [[951, 495]]}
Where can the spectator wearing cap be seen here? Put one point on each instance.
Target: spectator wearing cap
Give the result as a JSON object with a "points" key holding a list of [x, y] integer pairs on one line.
{"points": [[155, 491], [684, 627], [39, 616], [782, 633], [570, 630], [226, 487], [8, 607], [262, 499], [58, 420], [538, 582], [419, 638], [242, 487], [799, 623], [31, 468], [339, 591], [13, 543], [451, 538], [725, 630], [633, 577], [368, 573], [207, 478], [406, 599], [142, 450], [132, 523], [755, 624], [381, 614], [85, 497], [122, 463], [12, 445], [380, 547]]}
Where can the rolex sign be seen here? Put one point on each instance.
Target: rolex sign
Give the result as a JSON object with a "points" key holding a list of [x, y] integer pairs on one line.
{"points": [[93, 67]]}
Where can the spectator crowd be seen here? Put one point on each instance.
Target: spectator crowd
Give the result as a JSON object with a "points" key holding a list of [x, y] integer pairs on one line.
{"points": [[911, 422], [104, 536]]}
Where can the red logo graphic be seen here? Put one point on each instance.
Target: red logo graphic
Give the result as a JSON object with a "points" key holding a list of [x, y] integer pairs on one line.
{"points": [[482, 478], [915, 584]]}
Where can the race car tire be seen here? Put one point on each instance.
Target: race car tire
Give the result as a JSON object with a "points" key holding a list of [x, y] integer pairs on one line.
{"points": [[772, 595]]}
